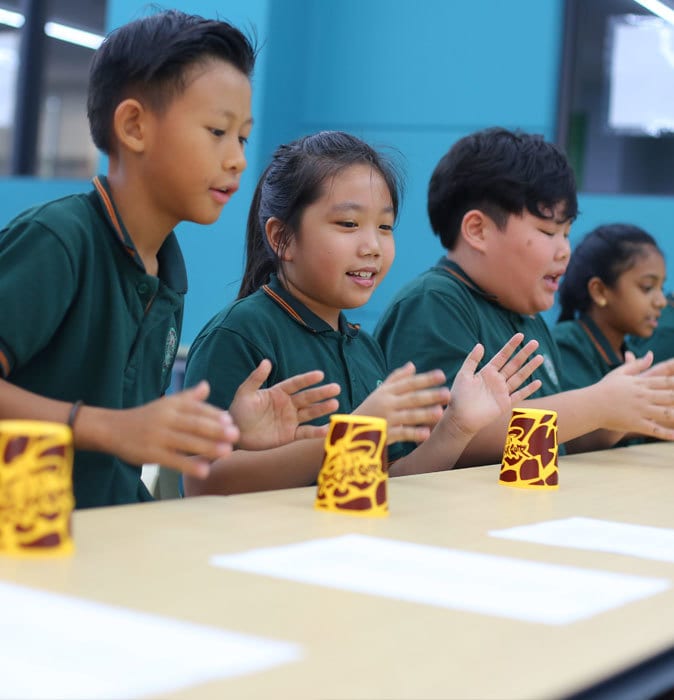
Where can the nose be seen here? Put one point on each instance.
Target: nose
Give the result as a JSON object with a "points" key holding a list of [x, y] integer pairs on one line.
{"points": [[660, 300], [234, 157], [370, 245], [564, 250]]}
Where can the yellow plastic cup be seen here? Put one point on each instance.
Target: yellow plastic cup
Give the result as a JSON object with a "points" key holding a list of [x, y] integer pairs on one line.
{"points": [[36, 490], [531, 451], [354, 473]]}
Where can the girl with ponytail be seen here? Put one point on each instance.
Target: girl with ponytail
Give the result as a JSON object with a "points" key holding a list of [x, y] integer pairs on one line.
{"points": [[612, 289]]}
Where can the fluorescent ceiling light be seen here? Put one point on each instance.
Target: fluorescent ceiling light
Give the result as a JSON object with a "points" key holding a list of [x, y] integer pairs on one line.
{"points": [[55, 30], [11, 19], [657, 7], [72, 35]]}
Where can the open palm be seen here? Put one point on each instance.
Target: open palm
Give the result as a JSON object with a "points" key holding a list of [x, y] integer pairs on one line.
{"points": [[272, 417], [478, 398]]}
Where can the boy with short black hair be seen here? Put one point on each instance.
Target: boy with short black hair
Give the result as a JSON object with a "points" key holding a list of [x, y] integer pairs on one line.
{"points": [[92, 285], [502, 204]]}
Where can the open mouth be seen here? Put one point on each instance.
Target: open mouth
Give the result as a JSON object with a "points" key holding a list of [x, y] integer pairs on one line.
{"points": [[361, 275]]}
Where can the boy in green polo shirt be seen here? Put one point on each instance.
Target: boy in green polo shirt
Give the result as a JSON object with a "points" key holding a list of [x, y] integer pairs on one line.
{"points": [[502, 204], [92, 285]]}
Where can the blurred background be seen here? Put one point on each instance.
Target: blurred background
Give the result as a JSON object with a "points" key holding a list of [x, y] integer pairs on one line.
{"points": [[596, 76]]}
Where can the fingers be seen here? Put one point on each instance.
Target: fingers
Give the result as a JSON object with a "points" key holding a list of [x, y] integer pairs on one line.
{"points": [[192, 443], [194, 427], [654, 429], [316, 410], [399, 383], [510, 368], [661, 369], [406, 370], [256, 378], [525, 392], [199, 392], [306, 432], [304, 399], [635, 366], [473, 360], [662, 388], [407, 433], [426, 416], [189, 466], [301, 381], [521, 375], [505, 353], [400, 404]]}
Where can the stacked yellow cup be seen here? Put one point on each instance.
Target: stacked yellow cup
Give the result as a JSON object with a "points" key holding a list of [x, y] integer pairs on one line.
{"points": [[36, 493], [530, 452], [354, 473]]}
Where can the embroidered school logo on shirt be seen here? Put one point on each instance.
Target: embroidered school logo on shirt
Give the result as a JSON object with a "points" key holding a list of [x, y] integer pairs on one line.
{"points": [[169, 350]]}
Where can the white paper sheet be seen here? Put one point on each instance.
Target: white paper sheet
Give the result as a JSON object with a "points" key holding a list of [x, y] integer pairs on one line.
{"points": [[598, 535], [53, 646], [500, 586]]}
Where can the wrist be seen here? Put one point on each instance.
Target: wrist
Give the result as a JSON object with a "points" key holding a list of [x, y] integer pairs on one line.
{"points": [[93, 428]]}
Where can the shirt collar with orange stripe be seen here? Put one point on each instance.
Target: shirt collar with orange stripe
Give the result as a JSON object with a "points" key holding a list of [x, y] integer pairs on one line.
{"points": [[171, 263], [453, 270], [302, 314], [598, 339]]}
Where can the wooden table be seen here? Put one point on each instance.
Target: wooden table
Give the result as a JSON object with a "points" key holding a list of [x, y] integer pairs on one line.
{"points": [[155, 558]]}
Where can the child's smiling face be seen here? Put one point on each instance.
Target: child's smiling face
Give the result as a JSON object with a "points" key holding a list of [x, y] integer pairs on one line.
{"points": [[345, 245]]}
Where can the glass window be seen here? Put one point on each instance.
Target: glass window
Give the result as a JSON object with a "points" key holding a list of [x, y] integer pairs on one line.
{"points": [[64, 148], [616, 118]]}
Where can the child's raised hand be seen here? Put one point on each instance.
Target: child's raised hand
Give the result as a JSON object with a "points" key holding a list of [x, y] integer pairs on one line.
{"points": [[272, 417], [169, 430], [661, 369], [638, 398], [479, 398], [411, 403]]}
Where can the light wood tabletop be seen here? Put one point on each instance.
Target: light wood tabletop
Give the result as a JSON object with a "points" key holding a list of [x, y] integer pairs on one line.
{"points": [[155, 558]]}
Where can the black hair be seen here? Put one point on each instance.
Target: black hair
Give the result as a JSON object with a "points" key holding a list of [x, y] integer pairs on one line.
{"points": [[294, 180], [606, 252], [500, 172], [150, 57]]}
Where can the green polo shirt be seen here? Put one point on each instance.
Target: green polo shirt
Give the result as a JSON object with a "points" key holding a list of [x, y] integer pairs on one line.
{"points": [[81, 319], [437, 319], [662, 341], [586, 355], [272, 324]]}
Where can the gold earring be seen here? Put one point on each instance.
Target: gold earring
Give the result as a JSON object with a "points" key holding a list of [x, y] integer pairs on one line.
{"points": [[602, 302]]}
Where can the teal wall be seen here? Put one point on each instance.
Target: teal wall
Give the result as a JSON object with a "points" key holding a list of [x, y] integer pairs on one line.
{"points": [[413, 76]]}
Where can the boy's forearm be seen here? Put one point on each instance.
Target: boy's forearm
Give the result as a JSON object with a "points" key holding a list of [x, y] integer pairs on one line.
{"points": [[295, 464], [580, 415], [17, 403], [92, 426], [439, 452]]}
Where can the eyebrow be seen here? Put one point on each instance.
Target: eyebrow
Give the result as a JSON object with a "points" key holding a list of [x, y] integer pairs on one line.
{"points": [[351, 206], [231, 115]]}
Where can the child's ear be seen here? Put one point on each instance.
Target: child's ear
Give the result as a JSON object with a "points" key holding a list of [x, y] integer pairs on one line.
{"points": [[597, 291], [474, 228], [274, 231], [129, 125]]}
